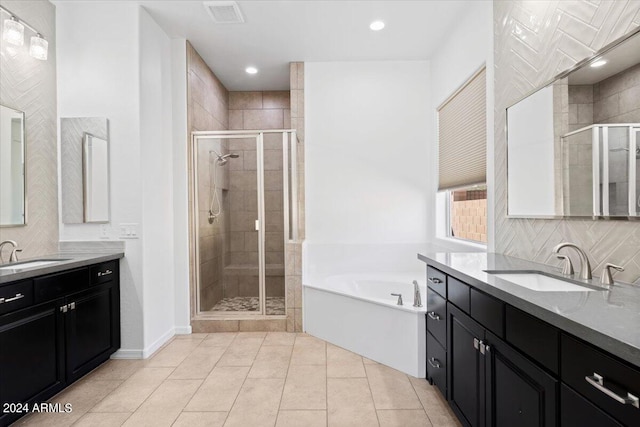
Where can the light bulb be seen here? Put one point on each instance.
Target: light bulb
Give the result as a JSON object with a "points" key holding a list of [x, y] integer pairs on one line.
{"points": [[376, 25], [39, 47], [251, 70], [13, 31]]}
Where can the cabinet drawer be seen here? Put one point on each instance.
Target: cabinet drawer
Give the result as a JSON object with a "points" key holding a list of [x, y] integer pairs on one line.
{"points": [[57, 285], [576, 411], [15, 296], [437, 281], [104, 272], [437, 316], [488, 311], [436, 364], [458, 293], [535, 338], [580, 361]]}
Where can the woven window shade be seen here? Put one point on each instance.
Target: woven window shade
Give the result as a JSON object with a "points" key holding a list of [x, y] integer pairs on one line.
{"points": [[462, 136]]}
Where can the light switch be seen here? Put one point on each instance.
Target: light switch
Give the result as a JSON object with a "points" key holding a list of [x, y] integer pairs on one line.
{"points": [[128, 231]]}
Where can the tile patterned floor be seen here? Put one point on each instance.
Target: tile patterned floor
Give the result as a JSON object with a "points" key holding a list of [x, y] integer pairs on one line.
{"points": [[274, 305], [249, 379]]}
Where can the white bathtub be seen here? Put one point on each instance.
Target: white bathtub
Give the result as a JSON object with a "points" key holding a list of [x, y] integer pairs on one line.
{"points": [[357, 312]]}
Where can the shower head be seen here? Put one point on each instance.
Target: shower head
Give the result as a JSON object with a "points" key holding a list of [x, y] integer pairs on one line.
{"points": [[223, 159]]}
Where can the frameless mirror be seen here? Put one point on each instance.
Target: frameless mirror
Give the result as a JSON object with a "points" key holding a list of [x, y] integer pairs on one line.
{"points": [[95, 172], [84, 154], [574, 144], [12, 167]]}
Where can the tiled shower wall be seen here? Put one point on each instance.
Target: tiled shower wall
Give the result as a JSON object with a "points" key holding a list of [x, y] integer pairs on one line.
{"points": [[558, 34], [247, 111], [207, 109], [29, 85]]}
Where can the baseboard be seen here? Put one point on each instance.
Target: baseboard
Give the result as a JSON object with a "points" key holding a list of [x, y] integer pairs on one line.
{"points": [[127, 354], [158, 343], [183, 330]]}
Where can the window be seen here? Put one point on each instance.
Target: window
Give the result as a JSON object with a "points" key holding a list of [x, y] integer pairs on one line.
{"points": [[462, 159]]}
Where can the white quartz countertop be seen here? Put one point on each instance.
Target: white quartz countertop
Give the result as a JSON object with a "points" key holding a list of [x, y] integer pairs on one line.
{"points": [[609, 319]]}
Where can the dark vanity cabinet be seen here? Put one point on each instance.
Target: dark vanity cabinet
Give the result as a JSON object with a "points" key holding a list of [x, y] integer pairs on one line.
{"points": [[65, 325], [504, 367]]}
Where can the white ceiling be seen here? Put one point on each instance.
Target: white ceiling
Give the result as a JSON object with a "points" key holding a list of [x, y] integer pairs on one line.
{"points": [[278, 32]]}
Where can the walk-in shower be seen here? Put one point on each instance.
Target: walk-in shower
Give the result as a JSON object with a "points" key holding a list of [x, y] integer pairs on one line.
{"points": [[243, 185], [602, 170]]}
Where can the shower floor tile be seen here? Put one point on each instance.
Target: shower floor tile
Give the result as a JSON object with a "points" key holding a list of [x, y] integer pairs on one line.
{"points": [[275, 305]]}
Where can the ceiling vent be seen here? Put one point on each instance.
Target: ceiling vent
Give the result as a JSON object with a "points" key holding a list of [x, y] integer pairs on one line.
{"points": [[224, 12]]}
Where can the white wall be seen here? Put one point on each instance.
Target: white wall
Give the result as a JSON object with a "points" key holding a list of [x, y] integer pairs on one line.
{"points": [[116, 62], [366, 151], [465, 49]]}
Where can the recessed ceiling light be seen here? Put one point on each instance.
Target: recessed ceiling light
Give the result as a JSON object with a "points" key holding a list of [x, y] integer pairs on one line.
{"points": [[598, 63], [376, 25], [251, 70]]}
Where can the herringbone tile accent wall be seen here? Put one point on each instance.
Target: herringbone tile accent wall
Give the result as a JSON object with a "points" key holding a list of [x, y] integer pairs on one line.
{"points": [[29, 85], [534, 41]]}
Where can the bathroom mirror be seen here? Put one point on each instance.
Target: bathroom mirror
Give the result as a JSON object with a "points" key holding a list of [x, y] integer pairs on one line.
{"points": [[95, 173], [12, 168], [84, 175], [574, 144]]}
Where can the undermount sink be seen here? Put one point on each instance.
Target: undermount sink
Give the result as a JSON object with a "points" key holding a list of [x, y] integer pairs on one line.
{"points": [[31, 264], [542, 283]]}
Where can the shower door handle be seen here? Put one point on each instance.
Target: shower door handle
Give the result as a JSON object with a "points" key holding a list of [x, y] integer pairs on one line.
{"points": [[257, 225]]}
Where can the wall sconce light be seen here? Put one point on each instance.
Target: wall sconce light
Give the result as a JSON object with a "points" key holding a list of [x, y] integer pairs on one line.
{"points": [[13, 33]]}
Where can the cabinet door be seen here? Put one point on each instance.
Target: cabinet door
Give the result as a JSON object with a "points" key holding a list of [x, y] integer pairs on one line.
{"points": [[31, 355], [576, 411], [89, 326], [518, 393], [465, 367]]}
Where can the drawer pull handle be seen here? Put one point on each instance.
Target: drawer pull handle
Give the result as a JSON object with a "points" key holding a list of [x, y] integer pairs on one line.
{"points": [[435, 280], [17, 297], [433, 315], [435, 363], [104, 273], [598, 382]]}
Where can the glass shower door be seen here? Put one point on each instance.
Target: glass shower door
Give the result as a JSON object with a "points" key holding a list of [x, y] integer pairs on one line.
{"points": [[230, 247]]}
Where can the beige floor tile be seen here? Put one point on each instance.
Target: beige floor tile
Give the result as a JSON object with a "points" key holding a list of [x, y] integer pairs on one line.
{"points": [[391, 389], [133, 391], [342, 363], [369, 361], [302, 419], [279, 338], [305, 388], [103, 419], [271, 362], [198, 364], [218, 339], [82, 395], [251, 335], [173, 353], [349, 403], [257, 403], [309, 351], [242, 351], [165, 404], [219, 389], [195, 336], [434, 404], [116, 369], [201, 419], [403, 418]]}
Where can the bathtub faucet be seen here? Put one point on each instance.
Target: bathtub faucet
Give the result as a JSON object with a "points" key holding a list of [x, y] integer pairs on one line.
{"points": [[399, 298], [417, 299]]}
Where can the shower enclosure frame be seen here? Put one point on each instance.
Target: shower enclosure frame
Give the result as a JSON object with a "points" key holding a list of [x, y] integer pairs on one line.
{"points": [[290, 210], [600, 168]]}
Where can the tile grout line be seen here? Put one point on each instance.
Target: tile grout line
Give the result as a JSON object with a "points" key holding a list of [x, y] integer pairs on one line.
{"points": [[421, 404], [375, 410], [285, 378]]}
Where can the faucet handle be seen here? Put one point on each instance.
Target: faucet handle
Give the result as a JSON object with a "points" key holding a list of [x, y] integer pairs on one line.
{"points": [[399, 298], [567, 266], [607, 278], [14, 255]]}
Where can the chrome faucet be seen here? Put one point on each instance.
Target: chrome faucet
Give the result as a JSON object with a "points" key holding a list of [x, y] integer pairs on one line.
{"points": [[417, 299], [607, 278], [399, 298], [13, 257], [585, 266]]}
